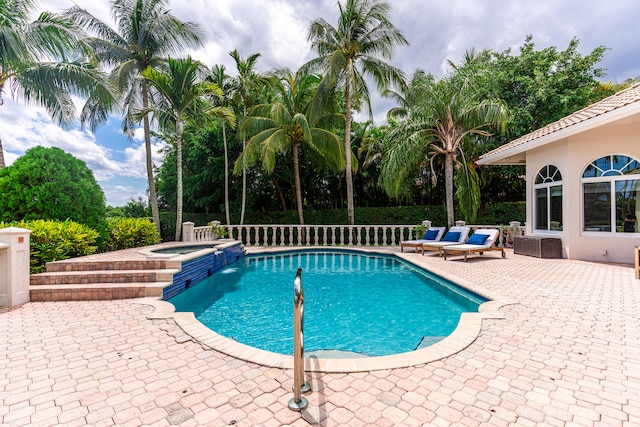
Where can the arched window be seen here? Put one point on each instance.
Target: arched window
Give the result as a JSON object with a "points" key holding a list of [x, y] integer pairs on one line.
{"points": [[610, 187], [547, 189]]}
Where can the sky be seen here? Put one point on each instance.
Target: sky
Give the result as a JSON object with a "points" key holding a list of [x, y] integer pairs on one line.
{"points": [[437, 31]]}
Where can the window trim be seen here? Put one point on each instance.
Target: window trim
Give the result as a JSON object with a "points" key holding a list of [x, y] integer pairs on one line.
{"points": [[612, 179], [549, 180]]}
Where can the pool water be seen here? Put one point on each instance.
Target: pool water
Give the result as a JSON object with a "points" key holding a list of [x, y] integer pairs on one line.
{"points": [[181, 250], [354, 302]]}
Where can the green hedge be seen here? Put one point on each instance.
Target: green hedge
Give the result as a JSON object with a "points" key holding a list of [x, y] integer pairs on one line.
{"points": [[124, 233], [498, 213]]}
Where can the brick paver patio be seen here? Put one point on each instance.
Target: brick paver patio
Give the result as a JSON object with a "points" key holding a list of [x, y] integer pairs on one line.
{"points": [[566, 354]]}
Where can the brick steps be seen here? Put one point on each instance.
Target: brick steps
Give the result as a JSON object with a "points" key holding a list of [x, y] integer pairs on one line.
{"points": [[103, 276], [101, 280], [60, 266], [96, 291]]}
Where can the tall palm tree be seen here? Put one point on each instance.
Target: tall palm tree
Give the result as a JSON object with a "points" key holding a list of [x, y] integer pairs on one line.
{"points": [[2, 163], [183, 96], [146, 33], [44, 63], [355, 49], [244, 86], [287, 125], [220, 78], [439, 116]]}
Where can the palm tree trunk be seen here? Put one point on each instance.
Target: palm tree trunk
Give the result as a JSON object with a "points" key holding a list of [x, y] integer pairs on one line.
{"points": [[296, 174], [347, 146], [244, 171], [226, 172], [179, 128], [153, 197], [2, 163], [448, 185], [280, 194]]}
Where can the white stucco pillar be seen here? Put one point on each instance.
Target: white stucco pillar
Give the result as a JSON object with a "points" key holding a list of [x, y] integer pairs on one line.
{"points": [[187, 232], [14, 266], [426, 223]]}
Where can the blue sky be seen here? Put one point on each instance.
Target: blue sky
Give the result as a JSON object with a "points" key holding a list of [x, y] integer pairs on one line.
{"points": [[437, 31]]}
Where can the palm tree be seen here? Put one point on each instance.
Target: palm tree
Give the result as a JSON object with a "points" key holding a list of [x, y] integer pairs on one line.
{"points": [[183, 95], [34, 62], [146, 34], [243, 87], [287, 124], [220, 78], [355, 49], [439, 116]]}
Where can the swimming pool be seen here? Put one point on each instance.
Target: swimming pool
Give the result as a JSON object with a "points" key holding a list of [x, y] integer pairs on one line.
{"points": [[355, 303]]}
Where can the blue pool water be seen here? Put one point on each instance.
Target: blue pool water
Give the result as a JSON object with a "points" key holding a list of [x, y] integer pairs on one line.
{"points": [[355, 302]]}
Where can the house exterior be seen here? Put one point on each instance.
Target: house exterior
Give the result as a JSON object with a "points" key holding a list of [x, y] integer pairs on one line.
{"points": [[583, 178]]}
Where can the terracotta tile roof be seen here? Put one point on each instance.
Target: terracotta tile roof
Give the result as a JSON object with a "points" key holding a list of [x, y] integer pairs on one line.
{"points": [[614, 102]]}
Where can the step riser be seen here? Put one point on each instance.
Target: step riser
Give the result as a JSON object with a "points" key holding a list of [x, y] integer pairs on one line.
{"points": [[44, 279], [43, 295], [60, 266]]}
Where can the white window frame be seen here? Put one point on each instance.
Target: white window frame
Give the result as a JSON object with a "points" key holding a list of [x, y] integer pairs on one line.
{"points": [[548, 181], [611, 175]]}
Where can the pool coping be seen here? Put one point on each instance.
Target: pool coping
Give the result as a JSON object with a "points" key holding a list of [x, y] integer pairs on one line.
{"points": [[468, 329]]}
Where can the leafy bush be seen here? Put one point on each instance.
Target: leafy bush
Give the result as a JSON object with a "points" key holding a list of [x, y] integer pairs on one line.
{"points": [[55, 240], [127, 233], [48, 183], [503, 213]]}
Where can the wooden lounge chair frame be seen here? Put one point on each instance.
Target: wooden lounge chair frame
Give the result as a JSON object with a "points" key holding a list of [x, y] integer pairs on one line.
{"points": [[417, 243], [464, 233], [480, 249]]}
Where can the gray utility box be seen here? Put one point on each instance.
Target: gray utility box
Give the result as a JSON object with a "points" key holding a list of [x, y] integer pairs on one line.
{"points": [[541, 247]]}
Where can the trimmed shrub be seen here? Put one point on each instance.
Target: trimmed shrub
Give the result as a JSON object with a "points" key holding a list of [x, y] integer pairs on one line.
{"points": [[127, 233], [48, 183], [56, 240]]}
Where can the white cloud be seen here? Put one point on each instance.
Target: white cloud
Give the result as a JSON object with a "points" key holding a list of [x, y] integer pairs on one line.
{"points": [[120, 195], [277, 29]]}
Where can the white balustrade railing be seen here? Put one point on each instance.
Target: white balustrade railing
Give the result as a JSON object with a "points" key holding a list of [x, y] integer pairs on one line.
{"points": [[330, 235], [321, 235]]}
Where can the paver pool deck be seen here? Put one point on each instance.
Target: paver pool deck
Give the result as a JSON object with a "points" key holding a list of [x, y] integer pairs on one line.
{"points": [[566, 353]]}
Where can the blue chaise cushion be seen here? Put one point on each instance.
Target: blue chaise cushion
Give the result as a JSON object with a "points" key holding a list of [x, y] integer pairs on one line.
{"points": [[478, 239], [451, 236], [430, 235]]}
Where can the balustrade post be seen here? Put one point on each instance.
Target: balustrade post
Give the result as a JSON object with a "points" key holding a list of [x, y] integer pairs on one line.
{"points": [[187, 232], [248, 232]]}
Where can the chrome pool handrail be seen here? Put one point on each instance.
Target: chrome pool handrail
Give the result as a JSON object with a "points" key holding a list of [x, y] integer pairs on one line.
{"points": [[298, 402]]}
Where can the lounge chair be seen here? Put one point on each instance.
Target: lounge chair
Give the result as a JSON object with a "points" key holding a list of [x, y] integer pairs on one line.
{"points": [[433, 234], [455, 236], [483, 240]]}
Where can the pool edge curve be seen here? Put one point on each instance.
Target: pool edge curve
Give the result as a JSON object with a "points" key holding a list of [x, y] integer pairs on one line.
{"points": [[465, 333]]}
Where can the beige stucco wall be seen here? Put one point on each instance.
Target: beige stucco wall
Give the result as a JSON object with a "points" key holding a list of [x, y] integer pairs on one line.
{"points": [[571, 155]]}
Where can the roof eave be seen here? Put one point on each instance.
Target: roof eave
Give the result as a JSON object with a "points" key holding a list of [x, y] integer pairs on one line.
{"points": [[604, 119]]}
